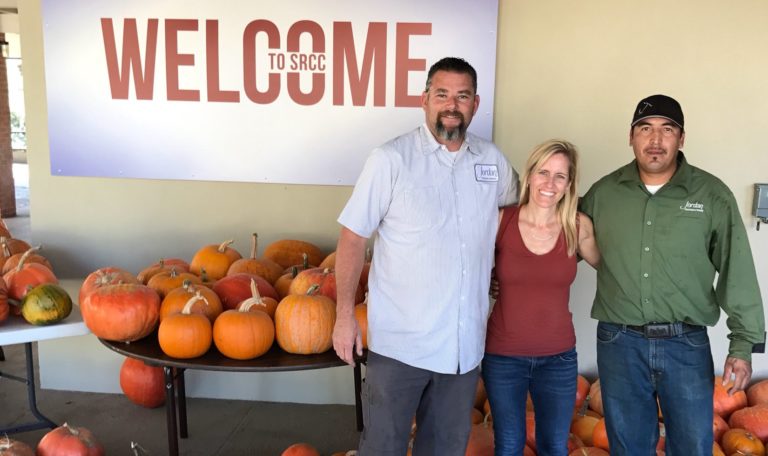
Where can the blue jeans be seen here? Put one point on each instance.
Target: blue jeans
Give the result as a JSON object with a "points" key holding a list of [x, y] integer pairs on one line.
{"points": [[635, 371], [551, 381]]}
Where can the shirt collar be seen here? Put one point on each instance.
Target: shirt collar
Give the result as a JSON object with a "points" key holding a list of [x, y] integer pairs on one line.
{"points": [[682, 176], [430, 145]]}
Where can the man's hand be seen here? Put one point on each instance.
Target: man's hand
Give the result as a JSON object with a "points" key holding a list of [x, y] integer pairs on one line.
{"points": [[742, 372], [347, 337]]}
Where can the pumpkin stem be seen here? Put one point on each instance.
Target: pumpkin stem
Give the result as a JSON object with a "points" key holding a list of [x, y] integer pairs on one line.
{"points": [[6, 249], [223, 247], [254, 245], [312, 290], [254, 300], [186, 284], [294, 272], [305, 261], [26, 256], [188, 306], [174, 272]]}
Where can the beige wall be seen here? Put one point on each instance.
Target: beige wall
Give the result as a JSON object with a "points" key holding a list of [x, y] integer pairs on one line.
{"points": [[565, 69]]}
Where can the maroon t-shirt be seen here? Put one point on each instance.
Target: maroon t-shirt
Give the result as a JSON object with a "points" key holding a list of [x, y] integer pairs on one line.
{"points": [[531, 316]]}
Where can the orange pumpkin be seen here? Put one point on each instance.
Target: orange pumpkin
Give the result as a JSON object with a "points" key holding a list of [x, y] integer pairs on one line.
{"points": [[242, 333], [476, 416], [481, 395], [583, 427], [10, 447], [174, 301], [102, 277], [754, 419], [480, 440], [10, 246], [164, 282], [69, 440], [717, 450], [124, 312], [289, 252], [144, 385], [13, 261], [329, 261], [304, 323], [283, 284], [185, 335], [5, 308], [600, 435], [26, 276], [595, 398], [215, 259], [589, 451], [724, 404], [262, 267], [300, 449], [165, 264], [326, 281], [742, 442]]}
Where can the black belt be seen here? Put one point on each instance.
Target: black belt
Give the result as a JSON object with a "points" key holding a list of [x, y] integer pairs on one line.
{"points": [[663, 330]]}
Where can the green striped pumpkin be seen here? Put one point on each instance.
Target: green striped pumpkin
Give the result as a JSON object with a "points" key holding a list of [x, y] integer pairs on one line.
{"points": [[46, 304]]}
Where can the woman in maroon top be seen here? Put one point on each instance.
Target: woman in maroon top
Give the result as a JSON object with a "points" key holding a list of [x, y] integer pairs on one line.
{"points": [[531, 344]]}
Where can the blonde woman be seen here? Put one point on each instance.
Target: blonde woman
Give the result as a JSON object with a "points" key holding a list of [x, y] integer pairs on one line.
{"points": [[530, 343]]}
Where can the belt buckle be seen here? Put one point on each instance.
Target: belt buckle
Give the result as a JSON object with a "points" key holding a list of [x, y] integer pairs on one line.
{"points": [[657, 331]]}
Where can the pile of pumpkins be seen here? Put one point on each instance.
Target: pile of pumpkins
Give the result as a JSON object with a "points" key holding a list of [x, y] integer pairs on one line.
{"points": [[240, 305], [28, 285], [740, 422]]}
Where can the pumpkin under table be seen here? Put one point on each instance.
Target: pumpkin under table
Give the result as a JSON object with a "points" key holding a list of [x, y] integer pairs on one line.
{"points": [[275, 360]]}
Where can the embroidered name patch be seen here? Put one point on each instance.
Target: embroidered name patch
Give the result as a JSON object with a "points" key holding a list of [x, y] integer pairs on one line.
{"points": [[692, 207], [486, 173]]}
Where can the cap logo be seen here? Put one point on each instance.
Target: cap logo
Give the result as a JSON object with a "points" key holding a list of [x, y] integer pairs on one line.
{"points": [[645, 105]]}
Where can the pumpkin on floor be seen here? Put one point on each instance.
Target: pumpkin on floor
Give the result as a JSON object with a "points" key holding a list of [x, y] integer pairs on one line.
{"points": [[10, 447], [144, 385], [46, 304], [70, 441], [300, 449]]}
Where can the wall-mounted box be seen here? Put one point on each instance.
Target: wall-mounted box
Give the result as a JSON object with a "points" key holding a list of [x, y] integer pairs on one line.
{"points": [[760, 205]]}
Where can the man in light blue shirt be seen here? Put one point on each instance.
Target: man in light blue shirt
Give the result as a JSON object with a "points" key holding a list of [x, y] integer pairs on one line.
{"points": [[432, 196]]}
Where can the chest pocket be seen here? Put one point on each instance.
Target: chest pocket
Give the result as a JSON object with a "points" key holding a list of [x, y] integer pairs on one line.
{"points": [[422, 207]]}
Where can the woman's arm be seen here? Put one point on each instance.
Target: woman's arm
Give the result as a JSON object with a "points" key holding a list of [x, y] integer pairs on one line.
{"points": [[587, 248]]}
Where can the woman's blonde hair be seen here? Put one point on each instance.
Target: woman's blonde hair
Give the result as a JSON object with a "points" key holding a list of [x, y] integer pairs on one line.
{"points": [[566, 207]]}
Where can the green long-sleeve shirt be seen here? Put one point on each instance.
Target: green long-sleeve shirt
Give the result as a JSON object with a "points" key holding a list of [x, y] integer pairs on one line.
{"points": [[660, 254]]}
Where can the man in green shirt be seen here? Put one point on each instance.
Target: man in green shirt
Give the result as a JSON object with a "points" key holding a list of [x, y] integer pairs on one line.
{"points": [[665, 230]]}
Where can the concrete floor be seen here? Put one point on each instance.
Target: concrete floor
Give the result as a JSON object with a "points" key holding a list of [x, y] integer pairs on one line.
{"points": [[216, 427]]}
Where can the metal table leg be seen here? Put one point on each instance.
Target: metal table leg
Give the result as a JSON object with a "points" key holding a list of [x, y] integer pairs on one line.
{"points": [[170, 411], [181, 396], [42, 420]]}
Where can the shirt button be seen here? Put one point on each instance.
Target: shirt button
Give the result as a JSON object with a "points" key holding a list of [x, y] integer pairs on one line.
{"points": [[648, 222], [645, 275], [646, 300], [647, 249]]}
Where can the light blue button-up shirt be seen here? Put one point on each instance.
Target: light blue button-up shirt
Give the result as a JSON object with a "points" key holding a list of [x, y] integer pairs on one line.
{"points": [[436, 224]]}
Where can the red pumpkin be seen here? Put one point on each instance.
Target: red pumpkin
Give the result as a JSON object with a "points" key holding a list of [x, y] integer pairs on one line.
{"points": [[754, 419], [236, 288], [123, 312], [101, 277], [480, 440], [68, 440], [10, 447], [758, 393], [300, 449], [144, 385], [724, 404], [719, 427]]}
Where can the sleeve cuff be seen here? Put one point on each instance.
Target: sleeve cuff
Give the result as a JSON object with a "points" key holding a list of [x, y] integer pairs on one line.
{"points": [[741, 349]]}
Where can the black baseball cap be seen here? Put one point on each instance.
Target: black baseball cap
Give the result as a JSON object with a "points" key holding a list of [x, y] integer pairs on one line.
{"points": [[659, 106]]}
